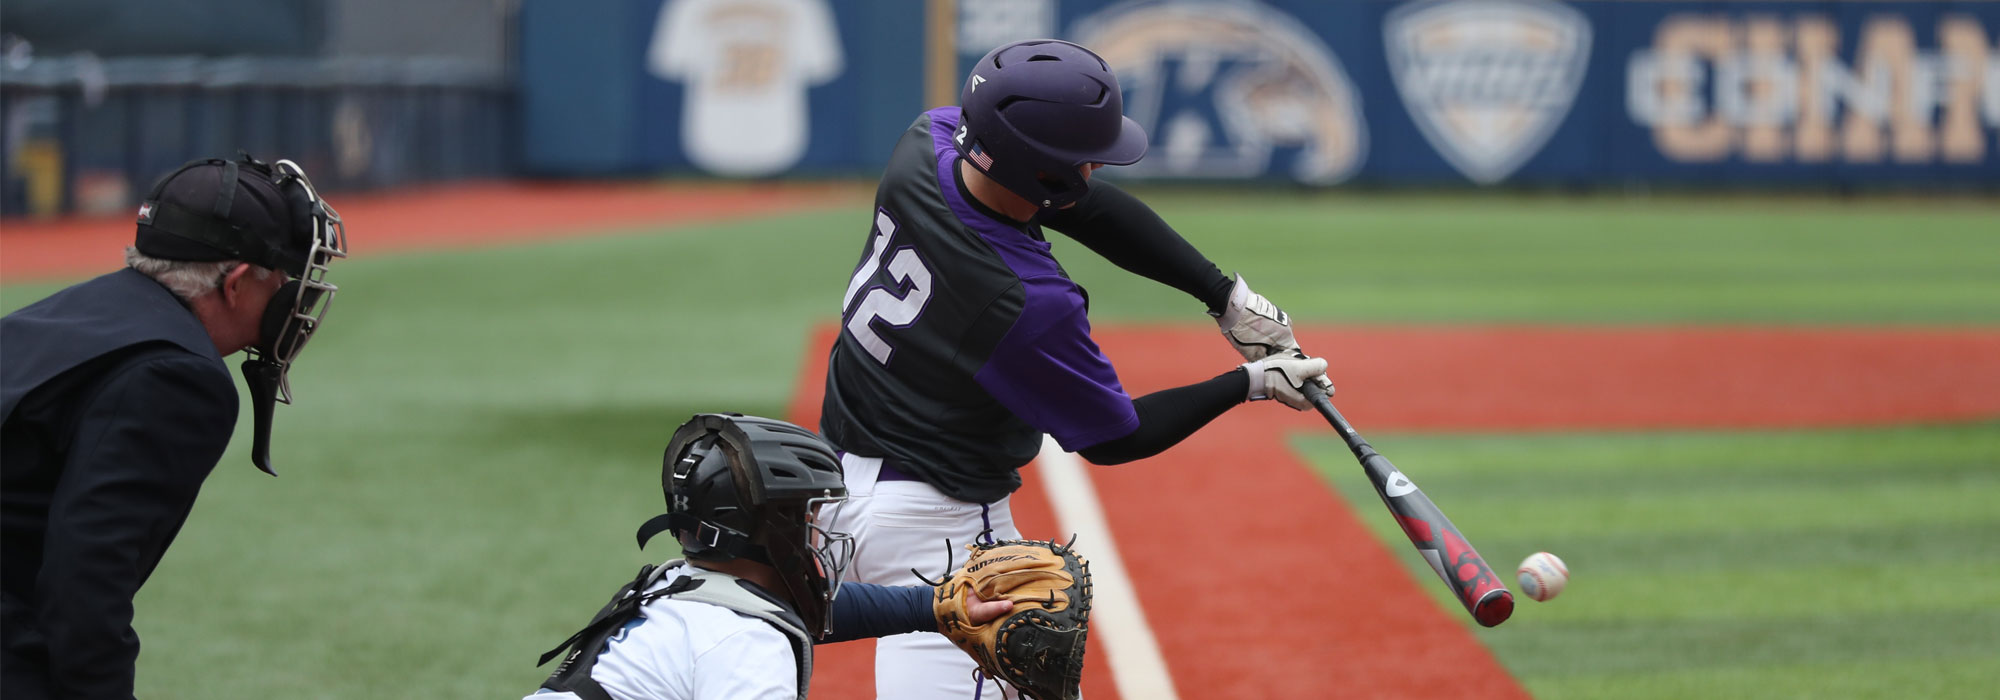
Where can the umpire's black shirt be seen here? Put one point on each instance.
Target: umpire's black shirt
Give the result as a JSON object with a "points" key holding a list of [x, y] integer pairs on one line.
{"points": [[116, 407]]}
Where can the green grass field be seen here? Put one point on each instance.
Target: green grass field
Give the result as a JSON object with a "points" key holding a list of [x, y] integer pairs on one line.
{"points": [[1801, 564], [478, 434]]}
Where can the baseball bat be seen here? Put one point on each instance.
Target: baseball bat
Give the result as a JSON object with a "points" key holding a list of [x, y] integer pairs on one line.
{"points": [[1453, 558]]}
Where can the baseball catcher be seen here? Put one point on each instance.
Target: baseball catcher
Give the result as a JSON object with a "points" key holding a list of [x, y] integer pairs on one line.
{"points": [[762, 580], [1038, 647]]}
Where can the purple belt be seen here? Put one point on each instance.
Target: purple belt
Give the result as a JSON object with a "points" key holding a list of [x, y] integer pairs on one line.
{"points": [[891, 473]]}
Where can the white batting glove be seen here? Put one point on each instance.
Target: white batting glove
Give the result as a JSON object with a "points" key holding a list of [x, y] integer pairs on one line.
{"points": [[1259, 329], [1256, 327], [1284, 377]]}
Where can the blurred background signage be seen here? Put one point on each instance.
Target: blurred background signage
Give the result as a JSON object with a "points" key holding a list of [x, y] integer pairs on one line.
{"points": [[377, 93]]}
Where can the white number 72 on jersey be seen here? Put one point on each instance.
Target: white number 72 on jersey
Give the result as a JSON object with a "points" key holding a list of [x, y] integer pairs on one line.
{"points": [[906, 270]]}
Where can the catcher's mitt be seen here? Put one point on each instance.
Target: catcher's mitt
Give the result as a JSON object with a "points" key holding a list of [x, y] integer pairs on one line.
{"points": [[1038, 646]]}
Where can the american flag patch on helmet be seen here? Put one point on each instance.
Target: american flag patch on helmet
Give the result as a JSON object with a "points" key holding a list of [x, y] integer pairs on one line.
{"points": [[978, 155]]}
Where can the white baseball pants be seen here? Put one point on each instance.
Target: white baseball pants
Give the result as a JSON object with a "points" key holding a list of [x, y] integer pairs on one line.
{"points": [[904, 525]]}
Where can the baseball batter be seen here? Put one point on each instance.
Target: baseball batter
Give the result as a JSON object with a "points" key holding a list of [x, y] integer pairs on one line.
{"points": [[964, 342]]}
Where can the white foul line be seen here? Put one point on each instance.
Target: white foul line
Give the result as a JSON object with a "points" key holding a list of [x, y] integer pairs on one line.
{"points": [[1115, 615]]}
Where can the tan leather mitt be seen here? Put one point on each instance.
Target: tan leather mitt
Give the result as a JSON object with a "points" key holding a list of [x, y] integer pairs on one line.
{"points": [[1038, 646]]}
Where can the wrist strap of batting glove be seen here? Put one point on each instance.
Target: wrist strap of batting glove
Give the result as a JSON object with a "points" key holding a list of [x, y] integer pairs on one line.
{"points": [[1255, 371]]}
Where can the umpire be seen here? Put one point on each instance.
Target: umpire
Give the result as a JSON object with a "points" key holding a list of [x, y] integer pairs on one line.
{"points": [[116, 405]]}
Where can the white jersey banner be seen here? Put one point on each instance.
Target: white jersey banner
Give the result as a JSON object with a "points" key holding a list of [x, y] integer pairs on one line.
{"points": [[746, 65]]}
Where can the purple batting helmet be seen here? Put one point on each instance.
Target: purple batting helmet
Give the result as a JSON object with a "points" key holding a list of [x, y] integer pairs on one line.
{"points": [[1034, 111]]}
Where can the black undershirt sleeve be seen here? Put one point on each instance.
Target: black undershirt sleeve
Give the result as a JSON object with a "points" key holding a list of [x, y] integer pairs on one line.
{"points": [[1116, 225], [1169, 416]]}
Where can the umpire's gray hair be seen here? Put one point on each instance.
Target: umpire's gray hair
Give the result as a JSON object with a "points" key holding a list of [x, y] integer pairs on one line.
{"points": [[185, 278]]}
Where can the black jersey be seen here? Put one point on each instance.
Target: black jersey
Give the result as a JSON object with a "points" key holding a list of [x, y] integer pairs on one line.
{"points": [[963, 340]]}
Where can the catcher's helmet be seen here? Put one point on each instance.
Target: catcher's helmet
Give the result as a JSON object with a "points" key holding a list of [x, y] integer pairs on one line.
{"points": [[747, 487], [1034, 111]]}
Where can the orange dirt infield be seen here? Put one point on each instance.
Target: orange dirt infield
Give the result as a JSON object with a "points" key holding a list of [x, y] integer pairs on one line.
{"points": [[1314, 606], [436, 217]]}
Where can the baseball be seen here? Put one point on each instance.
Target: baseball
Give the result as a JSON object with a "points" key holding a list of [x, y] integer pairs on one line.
{"points": [[1542, 576]]}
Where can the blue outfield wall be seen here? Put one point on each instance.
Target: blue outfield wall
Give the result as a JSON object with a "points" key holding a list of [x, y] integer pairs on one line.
{"points": [[1320, 93], [597, 100], [88, 135]]}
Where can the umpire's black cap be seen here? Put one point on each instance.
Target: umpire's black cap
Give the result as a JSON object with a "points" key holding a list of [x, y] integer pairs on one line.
{"points": [[216, 209]]}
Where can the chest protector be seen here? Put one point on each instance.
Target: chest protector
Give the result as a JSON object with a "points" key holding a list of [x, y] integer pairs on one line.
{"points": [[698, 585]]}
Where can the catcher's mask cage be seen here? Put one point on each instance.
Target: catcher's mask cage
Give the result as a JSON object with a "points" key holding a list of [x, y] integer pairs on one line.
{"points": [[743, 487], [302, 246], [1033, 112]]}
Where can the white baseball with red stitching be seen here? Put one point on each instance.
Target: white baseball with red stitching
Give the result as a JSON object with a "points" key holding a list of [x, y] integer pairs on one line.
{"points": [[1542, 576]]}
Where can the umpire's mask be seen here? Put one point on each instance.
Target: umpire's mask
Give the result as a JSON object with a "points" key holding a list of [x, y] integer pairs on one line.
{"points": [[268, 215]]}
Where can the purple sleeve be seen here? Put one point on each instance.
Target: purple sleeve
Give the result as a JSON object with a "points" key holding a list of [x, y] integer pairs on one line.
{"points": [[1048, 371]]}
